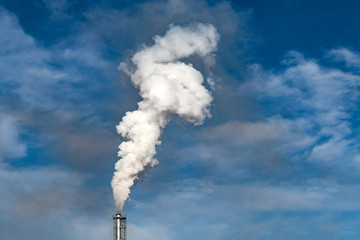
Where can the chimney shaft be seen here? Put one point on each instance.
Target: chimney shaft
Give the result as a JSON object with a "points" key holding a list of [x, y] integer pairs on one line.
{"points": [[119, 227]]}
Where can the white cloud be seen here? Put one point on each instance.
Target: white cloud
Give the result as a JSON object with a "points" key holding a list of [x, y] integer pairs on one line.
{"points": [[272, 129], [307, 195], [45, 197], [323, 98], [205, 209], [148, 231], [242, 148], [351, 58], [24, 65], [56, 94], [90, 228], [39, 101], [10, 144], [44, 78]]}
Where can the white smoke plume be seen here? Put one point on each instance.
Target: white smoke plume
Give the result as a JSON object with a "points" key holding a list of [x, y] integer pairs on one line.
{"points": [[167, 86]]}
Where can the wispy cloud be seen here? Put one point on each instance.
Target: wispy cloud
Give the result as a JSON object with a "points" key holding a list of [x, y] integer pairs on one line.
{"points": [[255, 210], [57, 8], [50, 89], [48, 196], [349, 57], [10, 144], [325, 98]]}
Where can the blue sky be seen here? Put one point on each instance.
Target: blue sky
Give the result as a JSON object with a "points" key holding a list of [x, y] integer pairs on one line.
{"points": [[278, 159]]}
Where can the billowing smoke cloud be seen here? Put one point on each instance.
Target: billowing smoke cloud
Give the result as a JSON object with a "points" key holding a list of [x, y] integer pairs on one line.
{"points": [[167, 86]]}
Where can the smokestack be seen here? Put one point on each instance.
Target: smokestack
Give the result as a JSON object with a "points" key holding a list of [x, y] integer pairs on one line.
{"points": [[119, 226]]}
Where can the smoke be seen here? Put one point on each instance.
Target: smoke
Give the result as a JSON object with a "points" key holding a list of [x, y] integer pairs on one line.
{"points": [[167, 86]]}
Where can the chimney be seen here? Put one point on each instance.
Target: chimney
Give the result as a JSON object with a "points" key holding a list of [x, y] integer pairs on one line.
{"points": [[119, 226]]}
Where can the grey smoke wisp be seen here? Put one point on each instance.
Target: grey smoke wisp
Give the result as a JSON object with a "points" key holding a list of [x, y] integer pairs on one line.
{"points": [[167, 86]]}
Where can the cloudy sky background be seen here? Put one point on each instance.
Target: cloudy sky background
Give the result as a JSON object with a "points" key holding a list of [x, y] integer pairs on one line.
{"points": [[279, 159]]}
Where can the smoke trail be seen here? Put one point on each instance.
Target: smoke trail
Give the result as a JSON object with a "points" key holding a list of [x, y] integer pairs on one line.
{"points": [[166, 86]]}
